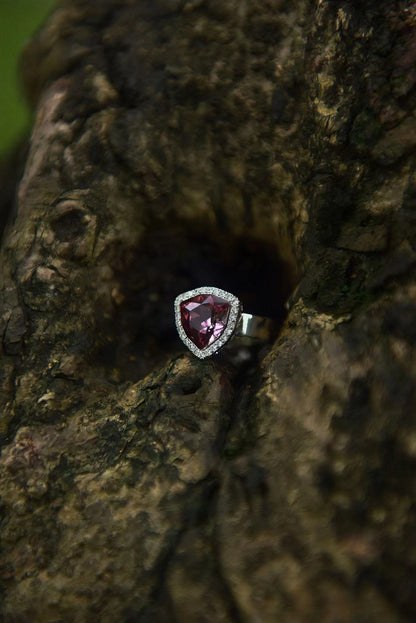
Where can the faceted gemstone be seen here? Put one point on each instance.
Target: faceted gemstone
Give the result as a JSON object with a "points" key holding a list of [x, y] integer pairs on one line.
{"points": [[204, 318]]}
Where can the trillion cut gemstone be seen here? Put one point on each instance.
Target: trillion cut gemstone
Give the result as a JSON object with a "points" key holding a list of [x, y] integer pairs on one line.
{"points": [[204, 318]]}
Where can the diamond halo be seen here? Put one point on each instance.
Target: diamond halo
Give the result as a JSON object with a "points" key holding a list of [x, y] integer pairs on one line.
{"points": [[234, 316]]}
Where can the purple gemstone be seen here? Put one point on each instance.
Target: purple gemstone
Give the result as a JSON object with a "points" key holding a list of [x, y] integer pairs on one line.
{"points": [[204, 318]]}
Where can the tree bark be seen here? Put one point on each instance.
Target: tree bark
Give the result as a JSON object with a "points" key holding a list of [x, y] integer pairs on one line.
{"points": [[267, 148]]}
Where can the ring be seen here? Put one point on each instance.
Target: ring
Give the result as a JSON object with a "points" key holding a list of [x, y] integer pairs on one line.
{"points": [[207, 318]]}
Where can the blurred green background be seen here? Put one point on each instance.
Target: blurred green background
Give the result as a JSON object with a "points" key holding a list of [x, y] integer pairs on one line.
{"points": [[18, 20]]}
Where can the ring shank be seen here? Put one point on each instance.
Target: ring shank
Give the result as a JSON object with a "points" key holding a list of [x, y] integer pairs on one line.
{"points": [[254, 329]]}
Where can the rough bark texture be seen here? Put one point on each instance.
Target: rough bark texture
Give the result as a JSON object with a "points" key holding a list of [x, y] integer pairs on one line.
{"points": [[266, 147]]}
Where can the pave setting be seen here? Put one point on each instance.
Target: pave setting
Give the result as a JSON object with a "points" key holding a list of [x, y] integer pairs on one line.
{"points": [[206, 319]]}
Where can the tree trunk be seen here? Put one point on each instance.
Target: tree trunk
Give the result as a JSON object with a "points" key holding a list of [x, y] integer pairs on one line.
{"points": [[265, 147]]}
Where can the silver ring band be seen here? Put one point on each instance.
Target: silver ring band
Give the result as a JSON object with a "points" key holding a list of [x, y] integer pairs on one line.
{"points": [[254, 328]]}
